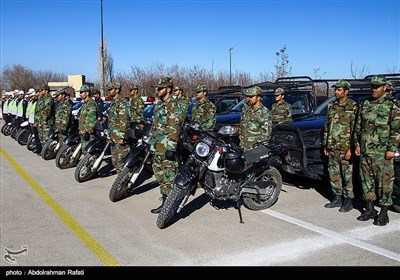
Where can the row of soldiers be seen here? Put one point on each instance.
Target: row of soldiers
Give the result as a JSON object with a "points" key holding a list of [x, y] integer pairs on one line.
{"points": [[370, 131]]}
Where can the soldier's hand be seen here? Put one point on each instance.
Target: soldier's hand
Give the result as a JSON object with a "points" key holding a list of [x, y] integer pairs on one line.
{"points": [[326, 152], [357, 151], [120, 141], [86, 136], [389, 155]]}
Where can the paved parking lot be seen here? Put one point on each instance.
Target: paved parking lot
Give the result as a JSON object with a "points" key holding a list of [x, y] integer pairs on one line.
{"points": [[64, 223]]}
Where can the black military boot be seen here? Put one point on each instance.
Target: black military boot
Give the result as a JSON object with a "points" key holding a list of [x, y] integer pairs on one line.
{"points": [[158, 209], [370, 213], [336, 202], [383, 217], [347, 205]]}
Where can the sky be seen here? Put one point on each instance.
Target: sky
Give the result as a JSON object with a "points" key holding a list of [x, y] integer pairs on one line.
{"points": [[64, 35]]}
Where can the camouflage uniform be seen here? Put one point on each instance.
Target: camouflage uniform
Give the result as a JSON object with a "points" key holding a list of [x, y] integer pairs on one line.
{"points": [[255, 124], [338, 139], [44, 113], [378, 129], [63, 114], [204, 112], [87, 120], [281, 113], [136, 108], [183, 103], [119, 119], [164, 137]]}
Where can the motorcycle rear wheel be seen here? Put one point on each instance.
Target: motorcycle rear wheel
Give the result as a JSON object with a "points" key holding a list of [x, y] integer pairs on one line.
{"points": [[63, 157], [84, 171], [48, 151], [22, 136], [261, 202], [171, 204], [13, 133]]}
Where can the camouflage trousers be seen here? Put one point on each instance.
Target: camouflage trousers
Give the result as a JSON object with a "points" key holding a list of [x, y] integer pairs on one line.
{"points": [[340, 174], [43, 132], [118, 154], [377, 178], [164, 171]]}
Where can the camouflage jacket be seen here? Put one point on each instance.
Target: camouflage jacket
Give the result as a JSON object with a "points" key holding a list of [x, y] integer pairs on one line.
{"points": [[255, 126], [63, 114], [166, 126], [39, 103], [204, 113], [136, 109], [46, 110], [340, 124], [88, 116], [183, 103], [118, 119], [378, 126], [281, 113]]}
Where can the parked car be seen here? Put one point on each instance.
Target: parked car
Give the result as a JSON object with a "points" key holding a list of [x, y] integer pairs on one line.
{"points": [[305, 136]]}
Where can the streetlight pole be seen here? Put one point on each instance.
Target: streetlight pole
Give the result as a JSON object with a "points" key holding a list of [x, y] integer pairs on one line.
{"points": [[103, 79], [230, 66]]}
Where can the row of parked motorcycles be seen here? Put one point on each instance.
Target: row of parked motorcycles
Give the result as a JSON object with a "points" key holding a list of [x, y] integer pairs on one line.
{"points": [[207, 160]]}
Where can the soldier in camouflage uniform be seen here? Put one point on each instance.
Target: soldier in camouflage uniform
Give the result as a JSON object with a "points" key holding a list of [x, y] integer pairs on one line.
{"points": [[88, 117], [339, 146], [44, 114], [182, 100], [281, 111], [204, 111], [63, 114], [136, 105], [164, 137], [119, 119], [255, 121], [378, 134]]}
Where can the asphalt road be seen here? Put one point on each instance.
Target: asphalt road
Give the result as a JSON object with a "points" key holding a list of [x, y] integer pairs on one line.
{"points": [[49, 219]]}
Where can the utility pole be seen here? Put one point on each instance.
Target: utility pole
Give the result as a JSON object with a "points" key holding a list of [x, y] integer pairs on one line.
{"points": [[103, 76], [230, 66]]}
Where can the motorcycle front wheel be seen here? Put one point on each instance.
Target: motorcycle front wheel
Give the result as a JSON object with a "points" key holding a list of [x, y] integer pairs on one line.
{"points": [[273, 189], [3, 128], [123, 184], [22, 136], [13, 133], [31, 145], [171, 204], [49, 149], [84, 170], [64, 156]]}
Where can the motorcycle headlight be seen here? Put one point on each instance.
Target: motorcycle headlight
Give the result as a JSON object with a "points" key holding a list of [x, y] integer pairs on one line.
{"points": [[202, 149]]}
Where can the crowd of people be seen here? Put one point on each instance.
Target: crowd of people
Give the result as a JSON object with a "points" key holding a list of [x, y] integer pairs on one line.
{"points": [[370, 131]]}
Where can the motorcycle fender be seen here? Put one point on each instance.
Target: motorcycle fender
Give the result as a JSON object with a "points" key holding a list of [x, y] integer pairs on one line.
{"points": [[72, 139], [96, 145], [134, 156], [186, 175]]}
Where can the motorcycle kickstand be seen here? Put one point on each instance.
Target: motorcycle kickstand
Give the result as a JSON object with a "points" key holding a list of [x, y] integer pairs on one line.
{"points": [[240, 212]]}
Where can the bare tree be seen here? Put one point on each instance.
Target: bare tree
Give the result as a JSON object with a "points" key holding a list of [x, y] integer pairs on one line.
{"points": [[317, 73], [357, 73], [108, 65], [20, 77], [282, 67]]}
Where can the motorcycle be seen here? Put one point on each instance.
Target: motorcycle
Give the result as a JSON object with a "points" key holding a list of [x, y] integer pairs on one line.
{"points": [[138, 157], [70, 152], [96, 150], [225, 172], [23, 133], [51, 147]]}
